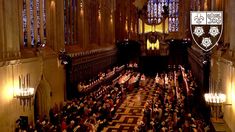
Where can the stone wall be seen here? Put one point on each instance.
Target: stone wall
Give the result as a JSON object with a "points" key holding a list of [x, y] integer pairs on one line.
{"points": [[223, 71]]}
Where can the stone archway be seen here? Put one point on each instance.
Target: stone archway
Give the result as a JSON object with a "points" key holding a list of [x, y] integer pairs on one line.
{"points": [[42, 99]]}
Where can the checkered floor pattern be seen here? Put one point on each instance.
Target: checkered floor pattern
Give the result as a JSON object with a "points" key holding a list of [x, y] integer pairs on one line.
{"points": [[131, 110]]}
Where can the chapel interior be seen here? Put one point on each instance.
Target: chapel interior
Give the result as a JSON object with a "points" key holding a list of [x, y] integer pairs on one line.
{"points": [[115, 66]]}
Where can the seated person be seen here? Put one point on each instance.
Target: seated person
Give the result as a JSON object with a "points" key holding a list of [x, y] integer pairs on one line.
{"points": [[157, 79], [142, 77], [80, 87], [135, 65]]}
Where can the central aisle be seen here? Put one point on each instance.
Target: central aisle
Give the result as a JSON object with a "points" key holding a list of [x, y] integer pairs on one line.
{"points": [[131, 110]]}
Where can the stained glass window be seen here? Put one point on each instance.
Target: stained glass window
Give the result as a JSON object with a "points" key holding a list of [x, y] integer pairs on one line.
{"points": [[38, 20], [31, 22], [34, 22], [44, 20], [71, 16], [24, 23], [155, 8]]}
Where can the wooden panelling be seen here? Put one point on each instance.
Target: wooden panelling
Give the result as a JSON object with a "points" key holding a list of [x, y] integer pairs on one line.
{"points": [[200, 67], [125, 17], [87, 66]]}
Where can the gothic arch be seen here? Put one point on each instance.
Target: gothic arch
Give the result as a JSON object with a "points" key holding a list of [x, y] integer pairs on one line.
{"points": [[42, 99]]}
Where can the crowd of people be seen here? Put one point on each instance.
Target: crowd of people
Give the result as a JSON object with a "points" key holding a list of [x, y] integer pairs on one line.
{"points": [[86, 86], [129, 80], [89, 113], [168, 110]]}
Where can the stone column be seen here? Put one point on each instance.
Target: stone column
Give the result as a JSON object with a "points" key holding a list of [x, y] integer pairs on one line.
{"points": [[231, 16], [51, 23], [85, 24], [9, 34], [2, 46], [59, 25], [226, 22]]}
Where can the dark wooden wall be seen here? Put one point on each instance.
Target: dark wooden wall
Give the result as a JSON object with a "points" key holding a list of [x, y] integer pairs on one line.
{"points": [[84, 66], [200, 66], [150, 64]]}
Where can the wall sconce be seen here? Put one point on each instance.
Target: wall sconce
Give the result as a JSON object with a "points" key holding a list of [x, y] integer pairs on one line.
{"points": [[24, 93], [99, 14], [111, 18], [81, 4], [131, 27], [53, 4], [215, 101], [215, 98], [126, 26], [81, 8]]}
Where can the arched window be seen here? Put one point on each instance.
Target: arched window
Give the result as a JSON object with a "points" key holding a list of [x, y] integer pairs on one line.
{"points": [[34, 22], [155, 8], [71, 17]]}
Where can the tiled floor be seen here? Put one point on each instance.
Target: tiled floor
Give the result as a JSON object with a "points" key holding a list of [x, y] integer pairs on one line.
{"points": [[131, 110]]}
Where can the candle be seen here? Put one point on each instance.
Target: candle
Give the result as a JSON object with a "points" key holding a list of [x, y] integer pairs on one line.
{"points": [[29, 79], [19, 82], [23, 85]]}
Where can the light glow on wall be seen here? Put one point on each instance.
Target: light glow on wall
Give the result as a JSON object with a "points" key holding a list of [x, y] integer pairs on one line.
{"points": [[8, 92], [140, 26], [81, 7], [157, 44], [131, 27], [233, 93], [153, 46], [166, 25], [81, 12], [99, 15], [150, 28], [148, 45], [205, 5], [23, 92], [111, 18], [215, 97], [81, 4], [53, 4], [126, 26], [229, 91]]}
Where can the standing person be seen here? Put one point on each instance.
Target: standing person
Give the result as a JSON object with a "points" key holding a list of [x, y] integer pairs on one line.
{"points": [[63, 125], [52, 118], [147, 115]]}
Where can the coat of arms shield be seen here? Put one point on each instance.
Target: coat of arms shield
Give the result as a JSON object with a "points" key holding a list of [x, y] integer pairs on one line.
{"points": [[206, 28]]}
